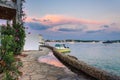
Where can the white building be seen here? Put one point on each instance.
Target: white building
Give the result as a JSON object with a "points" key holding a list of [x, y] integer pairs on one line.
{"points": [[33, 42], [41, 40]]}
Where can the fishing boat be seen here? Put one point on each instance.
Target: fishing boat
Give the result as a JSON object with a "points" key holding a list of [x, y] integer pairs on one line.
{"points": [[62, 48]]}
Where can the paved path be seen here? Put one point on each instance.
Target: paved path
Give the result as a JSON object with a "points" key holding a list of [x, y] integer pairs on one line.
{"points": [[34, 70]]}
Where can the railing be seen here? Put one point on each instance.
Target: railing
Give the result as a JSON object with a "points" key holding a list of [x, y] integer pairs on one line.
{"points": [[7, 3]]}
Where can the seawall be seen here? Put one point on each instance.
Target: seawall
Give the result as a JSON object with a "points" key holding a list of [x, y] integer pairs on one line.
{"points": [[78, 66]]}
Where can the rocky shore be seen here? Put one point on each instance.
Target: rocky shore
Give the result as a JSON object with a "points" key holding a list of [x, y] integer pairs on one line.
{"points": [[79, 67], [34, 70]]}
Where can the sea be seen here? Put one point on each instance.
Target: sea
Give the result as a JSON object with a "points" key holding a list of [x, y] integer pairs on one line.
{"points": [[103, 56]]}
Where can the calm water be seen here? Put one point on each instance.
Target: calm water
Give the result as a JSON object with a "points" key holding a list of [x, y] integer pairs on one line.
{"points": [[104, 56]]}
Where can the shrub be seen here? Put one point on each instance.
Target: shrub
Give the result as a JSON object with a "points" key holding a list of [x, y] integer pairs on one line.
{"points": [[19, 35], [12, 42]]}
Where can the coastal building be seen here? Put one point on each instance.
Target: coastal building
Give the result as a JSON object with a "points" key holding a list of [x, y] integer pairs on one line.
{"points": [[33, 41], [11, 10], [41, 41]]}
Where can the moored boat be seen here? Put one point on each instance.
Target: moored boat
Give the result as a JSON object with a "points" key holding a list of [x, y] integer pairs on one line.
{"points": [[62, 48]]}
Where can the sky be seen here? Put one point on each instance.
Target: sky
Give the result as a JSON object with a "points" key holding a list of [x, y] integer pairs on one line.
{"points": [[73, 19]]}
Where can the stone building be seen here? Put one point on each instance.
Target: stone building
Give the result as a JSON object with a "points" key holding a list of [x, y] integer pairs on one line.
{"points": [[11, 10]]}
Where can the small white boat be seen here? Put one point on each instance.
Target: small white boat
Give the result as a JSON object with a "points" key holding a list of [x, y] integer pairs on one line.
{"points": [[62, 48]]}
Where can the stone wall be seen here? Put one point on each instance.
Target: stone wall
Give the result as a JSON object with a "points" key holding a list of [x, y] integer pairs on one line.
{"points": [[80, 66]]}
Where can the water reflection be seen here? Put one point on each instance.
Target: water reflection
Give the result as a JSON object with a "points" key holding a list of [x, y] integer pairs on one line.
{"points": [[50, 59]]}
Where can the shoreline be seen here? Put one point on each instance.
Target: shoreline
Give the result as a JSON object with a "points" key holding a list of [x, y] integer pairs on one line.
{"points": [[78, 66], [34, 70]]}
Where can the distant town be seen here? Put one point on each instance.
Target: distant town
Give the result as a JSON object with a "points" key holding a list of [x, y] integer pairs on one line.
{"points": [[92, 41]]}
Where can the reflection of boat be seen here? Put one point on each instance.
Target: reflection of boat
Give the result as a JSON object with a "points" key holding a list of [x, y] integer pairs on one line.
{"points": [[62, 48]]}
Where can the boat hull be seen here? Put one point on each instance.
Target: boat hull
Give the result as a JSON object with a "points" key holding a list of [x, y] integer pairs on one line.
{"points": [[67, 50]]}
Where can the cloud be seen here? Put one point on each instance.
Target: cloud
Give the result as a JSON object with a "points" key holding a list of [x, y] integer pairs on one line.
{"points": [[55, 20], [37, 26], [69, 30], [113, 24], [111, 27], [106, 26], [63, 23], [97, 31]]}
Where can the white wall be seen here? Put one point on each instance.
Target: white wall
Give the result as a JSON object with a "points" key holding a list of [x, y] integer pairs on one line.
{"points": [[32, 42]]}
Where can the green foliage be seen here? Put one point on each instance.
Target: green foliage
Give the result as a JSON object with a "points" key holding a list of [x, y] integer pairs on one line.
{"points": [[12, 42], [8, 76], [18, 32], [8, 63], [19, 37]]}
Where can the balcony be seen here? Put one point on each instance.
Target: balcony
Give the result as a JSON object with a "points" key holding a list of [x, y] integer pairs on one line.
{"points": [[8, 3], [7, 9]]}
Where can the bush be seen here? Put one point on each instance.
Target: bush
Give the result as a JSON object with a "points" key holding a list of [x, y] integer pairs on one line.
{"points": [[12, 42], [19, 35]]}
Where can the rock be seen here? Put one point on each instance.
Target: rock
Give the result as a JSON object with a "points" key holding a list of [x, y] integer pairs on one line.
{"points": [[72, 57]]}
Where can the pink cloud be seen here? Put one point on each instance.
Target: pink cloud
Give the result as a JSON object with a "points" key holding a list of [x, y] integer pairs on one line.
{"points": [[53, 20], [30, 19], [57, 22]]}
